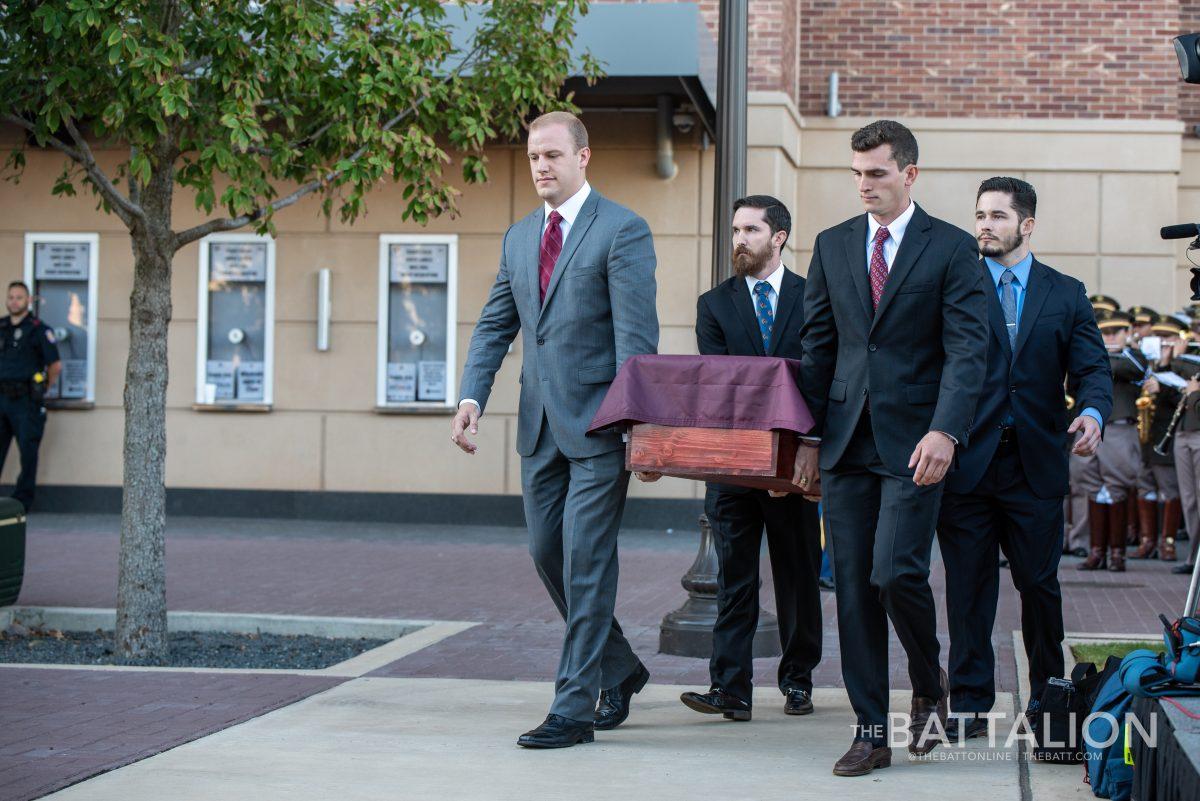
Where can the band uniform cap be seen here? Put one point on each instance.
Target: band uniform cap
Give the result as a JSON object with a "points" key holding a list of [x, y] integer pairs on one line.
{"points": [[1143, 314], [1105, 302], [1111, 318], [1170, 327]]}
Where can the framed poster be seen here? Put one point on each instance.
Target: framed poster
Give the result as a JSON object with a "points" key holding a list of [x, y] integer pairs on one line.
{"points": [[235, 335], [416, 335], [61, 272]]}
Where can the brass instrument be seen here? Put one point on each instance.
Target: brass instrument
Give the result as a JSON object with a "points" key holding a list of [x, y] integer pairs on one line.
{"points": [[1070, 401], [1145, 404]]}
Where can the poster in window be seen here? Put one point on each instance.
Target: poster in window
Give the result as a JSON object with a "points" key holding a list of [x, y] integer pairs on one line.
{"points": [[401, 382], [431, 381], [237, 261], [61, 261], [419, 263]]}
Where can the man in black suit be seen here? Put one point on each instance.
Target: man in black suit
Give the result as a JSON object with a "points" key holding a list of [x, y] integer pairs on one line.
{"points": [[1007, 493], [895, 344], [759, 312]]}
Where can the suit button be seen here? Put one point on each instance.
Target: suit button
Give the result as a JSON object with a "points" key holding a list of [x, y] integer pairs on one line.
{"points": [[1012, 390], [541, 341], [872, 347]]}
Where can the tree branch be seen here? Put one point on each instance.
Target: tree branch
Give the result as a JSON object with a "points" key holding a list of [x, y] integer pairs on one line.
{"points": [[102, 182], [126, 210], [184, 238]]}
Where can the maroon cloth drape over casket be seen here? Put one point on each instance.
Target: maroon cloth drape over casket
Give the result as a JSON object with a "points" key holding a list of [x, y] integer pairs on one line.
{"points": [[751, 392]]}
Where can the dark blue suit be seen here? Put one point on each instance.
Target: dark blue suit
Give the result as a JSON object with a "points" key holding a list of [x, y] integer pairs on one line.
{"points": [[1011, 479]]}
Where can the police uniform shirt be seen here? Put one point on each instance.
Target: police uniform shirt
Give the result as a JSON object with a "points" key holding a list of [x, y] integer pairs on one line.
{"points": [[26, 348]]}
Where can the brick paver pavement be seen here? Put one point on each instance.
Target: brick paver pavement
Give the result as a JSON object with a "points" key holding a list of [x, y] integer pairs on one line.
{"points": [[419, 572], [58, 727]]}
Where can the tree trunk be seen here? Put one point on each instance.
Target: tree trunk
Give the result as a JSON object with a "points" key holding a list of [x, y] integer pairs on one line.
{"points": [[141, 586]]}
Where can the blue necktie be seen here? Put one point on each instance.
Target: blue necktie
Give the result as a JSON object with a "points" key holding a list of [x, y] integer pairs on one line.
{"points": [[1008, 304], [766, 318]]}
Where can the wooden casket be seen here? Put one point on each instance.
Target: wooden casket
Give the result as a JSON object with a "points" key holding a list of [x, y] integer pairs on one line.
{"points": [[722, 419]]}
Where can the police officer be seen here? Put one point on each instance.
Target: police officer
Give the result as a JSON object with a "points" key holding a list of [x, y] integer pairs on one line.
{"points": [[29, 365]]}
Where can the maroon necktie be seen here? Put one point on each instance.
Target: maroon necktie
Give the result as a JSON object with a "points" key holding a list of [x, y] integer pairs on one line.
{"points": [[551, 247], [879, 270]]}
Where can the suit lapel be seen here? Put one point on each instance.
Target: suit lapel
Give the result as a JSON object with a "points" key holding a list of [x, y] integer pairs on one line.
{"points": [[533, 247], [856, 257], [916, 237], [743, 307], [579, 229], [1035, 297], [789, 296], [995, 313]]}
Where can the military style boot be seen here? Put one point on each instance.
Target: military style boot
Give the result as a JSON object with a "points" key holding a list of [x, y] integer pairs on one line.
{"points": [[1098, 530], [1172, 514], [1117, 514], [1148, 528]]}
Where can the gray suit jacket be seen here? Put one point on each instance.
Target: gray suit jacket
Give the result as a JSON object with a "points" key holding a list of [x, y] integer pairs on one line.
{"points": [[599, 311]]}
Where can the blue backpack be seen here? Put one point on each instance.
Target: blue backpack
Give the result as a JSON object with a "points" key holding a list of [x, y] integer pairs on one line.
{"points": [[1107, 772]]}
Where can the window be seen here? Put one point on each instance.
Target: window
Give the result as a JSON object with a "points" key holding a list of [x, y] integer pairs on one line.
{"points": [[60, 270], [417, 302], [235, 324]]}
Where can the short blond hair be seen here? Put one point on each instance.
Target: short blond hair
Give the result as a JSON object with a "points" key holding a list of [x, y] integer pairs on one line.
{"points": [[579, 134]]}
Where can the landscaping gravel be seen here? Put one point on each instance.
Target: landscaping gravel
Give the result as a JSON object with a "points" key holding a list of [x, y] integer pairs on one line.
{"points": [[188, 649]]}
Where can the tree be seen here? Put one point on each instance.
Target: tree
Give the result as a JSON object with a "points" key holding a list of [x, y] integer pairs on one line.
{"points": [[274, 101]]}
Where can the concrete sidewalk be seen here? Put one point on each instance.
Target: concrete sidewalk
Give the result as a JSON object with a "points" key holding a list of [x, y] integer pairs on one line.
{"points": [[425, 739]]}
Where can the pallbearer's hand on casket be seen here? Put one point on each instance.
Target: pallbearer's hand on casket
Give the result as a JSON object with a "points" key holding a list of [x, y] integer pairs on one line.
{"points": [[647, 477]]}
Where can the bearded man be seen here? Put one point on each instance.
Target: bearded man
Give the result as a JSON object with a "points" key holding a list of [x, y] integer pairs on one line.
{"points": [[1007, 494], [759, 312]]}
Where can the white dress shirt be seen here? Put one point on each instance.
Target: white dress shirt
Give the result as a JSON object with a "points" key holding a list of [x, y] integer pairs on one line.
{"points": [[569, 211], [775, 279], [896, 231]]}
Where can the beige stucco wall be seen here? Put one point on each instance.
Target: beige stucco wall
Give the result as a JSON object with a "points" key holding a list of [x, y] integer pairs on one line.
{"points": [[1104, 187]]}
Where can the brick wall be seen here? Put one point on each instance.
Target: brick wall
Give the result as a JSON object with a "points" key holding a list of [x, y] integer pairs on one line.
{"points": [[1027, 58], [1189, 94]]}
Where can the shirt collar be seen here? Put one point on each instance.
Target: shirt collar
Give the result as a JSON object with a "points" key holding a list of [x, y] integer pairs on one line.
{"points": [[570, 207], [896, 227], [1020, 270], [775, 279]]}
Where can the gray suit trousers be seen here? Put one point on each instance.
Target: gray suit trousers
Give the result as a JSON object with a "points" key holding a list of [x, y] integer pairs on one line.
{"points": [[573, 509]]}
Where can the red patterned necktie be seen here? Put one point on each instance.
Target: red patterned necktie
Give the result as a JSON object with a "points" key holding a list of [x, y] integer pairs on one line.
{"points": [[879, 270], [551, 247]]}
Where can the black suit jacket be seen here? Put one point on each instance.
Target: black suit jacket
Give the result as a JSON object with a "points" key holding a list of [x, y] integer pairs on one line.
{"points": [[920, 356], [1057, 338], [726, 325]]}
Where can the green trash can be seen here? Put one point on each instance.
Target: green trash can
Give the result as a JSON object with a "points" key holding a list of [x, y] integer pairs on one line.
{"points": [[12, 550]]}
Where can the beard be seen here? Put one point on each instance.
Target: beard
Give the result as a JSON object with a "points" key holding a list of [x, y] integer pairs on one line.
{"points": [[1001, 246], [748, 262]]}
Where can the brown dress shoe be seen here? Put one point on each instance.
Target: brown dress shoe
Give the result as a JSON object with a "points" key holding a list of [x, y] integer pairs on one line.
{"points": [[862, 758], [923, 709]]}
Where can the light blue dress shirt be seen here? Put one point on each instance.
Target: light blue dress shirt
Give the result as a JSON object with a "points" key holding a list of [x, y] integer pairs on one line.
{"points": [[1020, 285]]}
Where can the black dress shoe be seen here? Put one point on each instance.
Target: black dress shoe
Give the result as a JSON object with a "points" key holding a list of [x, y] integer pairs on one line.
{"points": [[717, 702], [970, 728], [799, 702], [557, 732], [1184, 569], [613, 707], [1080, 553]]}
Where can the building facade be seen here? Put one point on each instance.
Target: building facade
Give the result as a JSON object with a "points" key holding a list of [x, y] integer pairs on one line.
{"points": [[1081, 99]]}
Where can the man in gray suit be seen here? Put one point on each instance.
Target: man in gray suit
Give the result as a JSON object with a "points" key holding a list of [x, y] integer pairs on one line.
{"points": [[577, 279]]}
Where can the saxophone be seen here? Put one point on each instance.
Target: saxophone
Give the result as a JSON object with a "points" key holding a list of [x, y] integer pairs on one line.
{"points": [[1145, 415]]}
